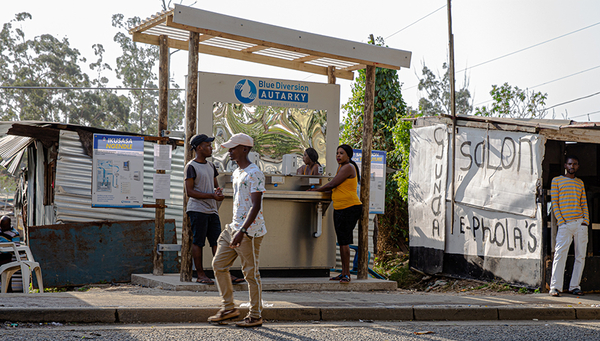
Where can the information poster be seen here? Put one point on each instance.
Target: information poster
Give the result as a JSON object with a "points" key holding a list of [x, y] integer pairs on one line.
{"points": [[377, 192], [118, 171]]}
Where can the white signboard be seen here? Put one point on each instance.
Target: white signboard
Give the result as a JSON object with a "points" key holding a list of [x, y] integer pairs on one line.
{"points": [[377, 185], [498, 170], [427, 186], [480, 232], [118, 171], [162, 156]]}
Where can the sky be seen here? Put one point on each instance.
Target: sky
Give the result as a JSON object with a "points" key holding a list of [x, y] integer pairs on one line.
{"points": [[550, 46]]}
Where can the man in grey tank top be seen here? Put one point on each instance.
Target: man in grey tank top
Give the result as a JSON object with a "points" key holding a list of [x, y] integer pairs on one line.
{"points": [[203, 190]]}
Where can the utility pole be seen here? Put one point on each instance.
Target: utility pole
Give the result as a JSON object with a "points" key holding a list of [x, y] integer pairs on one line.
{"points": [[453, 110]]}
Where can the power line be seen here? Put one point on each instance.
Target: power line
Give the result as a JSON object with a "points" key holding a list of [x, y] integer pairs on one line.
{"points": [[414, 23], [589, 113], [77, 88], [554, 80], [573, 100], [529, 47], [521, 50]]}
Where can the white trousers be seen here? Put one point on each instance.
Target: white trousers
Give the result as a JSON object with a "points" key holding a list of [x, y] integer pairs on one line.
{"points": [[570, 231]]}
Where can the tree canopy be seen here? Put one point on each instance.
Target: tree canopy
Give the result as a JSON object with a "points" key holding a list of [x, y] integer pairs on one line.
{"points": [[509, 101], [389, 134], [52, 72]]}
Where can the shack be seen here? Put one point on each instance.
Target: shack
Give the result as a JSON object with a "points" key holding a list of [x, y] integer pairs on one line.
{"points": [[497, 225], [75, 243]]}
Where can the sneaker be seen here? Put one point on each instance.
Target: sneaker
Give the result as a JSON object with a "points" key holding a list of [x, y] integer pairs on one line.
{"points": [[577, 292], [248, 322], [554, 292], [223, 315]]}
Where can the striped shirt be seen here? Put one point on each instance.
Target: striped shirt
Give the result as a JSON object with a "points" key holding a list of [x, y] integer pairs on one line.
{"points": [[568, 200]]}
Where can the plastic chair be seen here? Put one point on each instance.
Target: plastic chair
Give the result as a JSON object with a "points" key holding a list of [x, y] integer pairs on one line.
{"points": [[26, 266]]}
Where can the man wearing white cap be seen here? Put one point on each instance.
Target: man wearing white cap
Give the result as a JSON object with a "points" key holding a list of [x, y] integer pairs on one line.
{"points": [[243, 236]]}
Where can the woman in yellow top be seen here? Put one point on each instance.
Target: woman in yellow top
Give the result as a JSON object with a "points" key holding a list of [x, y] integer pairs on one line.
{"points": [[347, 207], [311, 163]]}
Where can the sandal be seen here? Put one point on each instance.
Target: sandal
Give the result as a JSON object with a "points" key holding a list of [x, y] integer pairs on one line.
{"points": [[336, 278], [237, 280], [577, 292], [205, 281], [345, 279]]}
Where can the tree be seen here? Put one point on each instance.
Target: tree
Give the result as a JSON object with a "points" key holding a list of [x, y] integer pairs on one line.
{"points": [[389, 109], [136, 68], [514, 102], [438, 94], [46, 61]]}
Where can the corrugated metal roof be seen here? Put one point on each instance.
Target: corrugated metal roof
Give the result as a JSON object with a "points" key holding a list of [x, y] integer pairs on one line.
{"points": [[73, 194], [12, 149], [535, 123]]}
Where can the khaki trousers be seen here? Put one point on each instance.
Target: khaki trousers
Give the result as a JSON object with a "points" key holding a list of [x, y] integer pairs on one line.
{"points": [[248, 252]]}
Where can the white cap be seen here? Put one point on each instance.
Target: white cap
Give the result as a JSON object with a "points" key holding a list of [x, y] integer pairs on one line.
{"points": [[239, 139]]}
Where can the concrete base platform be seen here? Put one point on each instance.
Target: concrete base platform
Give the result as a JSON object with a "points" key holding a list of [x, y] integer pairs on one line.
{"points": [[171, 282]]}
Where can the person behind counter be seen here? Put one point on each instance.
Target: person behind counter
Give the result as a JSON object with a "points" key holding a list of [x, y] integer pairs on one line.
{"points": [[346, 204], [311, 163]]}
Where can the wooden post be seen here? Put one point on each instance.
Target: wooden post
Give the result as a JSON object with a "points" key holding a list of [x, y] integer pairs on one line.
{"points": [[330, 75], [365, 176], [163, 117], [190, 130]]}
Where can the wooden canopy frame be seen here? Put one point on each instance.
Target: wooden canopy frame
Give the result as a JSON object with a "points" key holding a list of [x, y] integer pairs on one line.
{"points": [[231, 37], [200, 31]]}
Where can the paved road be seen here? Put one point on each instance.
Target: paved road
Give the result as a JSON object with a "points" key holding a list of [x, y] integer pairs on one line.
{"points": [[439, 331]]}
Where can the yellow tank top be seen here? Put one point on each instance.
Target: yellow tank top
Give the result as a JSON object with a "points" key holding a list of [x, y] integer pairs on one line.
{"points": [[344, 195]]}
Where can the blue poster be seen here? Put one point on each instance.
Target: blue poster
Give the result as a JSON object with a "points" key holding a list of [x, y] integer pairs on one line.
{"points": [[378, 167], [118, 171]]}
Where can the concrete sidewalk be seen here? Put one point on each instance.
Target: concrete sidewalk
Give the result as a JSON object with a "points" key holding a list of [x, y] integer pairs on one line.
{"points": [[137, 304]]}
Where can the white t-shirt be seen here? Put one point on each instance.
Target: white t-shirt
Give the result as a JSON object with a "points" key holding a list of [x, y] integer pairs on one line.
{"points": [[246, 181]]}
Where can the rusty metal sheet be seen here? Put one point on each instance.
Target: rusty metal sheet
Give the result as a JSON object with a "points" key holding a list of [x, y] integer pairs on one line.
{"points": [[98, 252]]}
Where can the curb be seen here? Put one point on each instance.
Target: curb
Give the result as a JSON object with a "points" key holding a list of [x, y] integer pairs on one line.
{"points": [[195, 315]]}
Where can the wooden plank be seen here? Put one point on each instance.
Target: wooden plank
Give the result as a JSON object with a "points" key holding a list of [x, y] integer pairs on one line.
{"points": [[194, 19], [572, 134], [354, 67], [249, 57], [254, 49], [155, 21], [306, 59], [281, 46]]}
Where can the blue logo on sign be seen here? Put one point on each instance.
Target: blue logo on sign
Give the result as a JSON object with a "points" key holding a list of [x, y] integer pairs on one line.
{"points": [[245, 91]]}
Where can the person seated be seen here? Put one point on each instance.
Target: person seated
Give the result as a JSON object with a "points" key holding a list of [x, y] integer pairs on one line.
{"points": [[7, 235], [311, 163]]}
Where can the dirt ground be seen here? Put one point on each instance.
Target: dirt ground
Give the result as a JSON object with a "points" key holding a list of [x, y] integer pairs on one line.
{"points": [[451, 285]]}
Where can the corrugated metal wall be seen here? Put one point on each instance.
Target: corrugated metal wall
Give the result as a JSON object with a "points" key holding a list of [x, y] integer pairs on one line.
{"points": [[73, 186]]}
